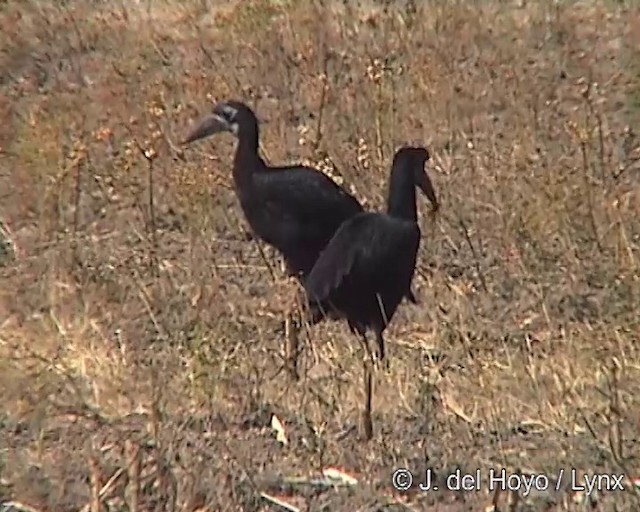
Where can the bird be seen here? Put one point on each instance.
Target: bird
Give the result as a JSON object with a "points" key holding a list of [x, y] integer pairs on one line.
{"points": [[294, 208], [370, 261], [368, 265]]}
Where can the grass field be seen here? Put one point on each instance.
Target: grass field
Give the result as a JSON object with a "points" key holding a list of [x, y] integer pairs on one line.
{"points": [[141, 333]]}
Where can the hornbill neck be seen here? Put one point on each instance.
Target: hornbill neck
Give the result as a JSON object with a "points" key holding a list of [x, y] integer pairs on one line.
{"points": [[247, 160], [401, 201]]}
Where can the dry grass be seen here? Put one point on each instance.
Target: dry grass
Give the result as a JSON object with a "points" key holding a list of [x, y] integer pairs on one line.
{"points": [[140, 333]]}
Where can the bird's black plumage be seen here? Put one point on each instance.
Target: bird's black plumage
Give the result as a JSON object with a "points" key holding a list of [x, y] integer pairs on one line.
{"points": [[367, 267], [296, 209]]}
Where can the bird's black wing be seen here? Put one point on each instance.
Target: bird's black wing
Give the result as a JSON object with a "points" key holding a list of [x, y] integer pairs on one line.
{"points": [[308, 194], [363, 248], [300, 209]]}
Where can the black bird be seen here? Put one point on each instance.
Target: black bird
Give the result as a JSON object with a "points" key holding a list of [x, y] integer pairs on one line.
{"points": [[367, 267], [296, 209]]}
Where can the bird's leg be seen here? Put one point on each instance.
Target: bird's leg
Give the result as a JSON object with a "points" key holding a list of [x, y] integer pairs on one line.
{"points": [[366, 421], [368, 362], [380, 340], [365, 344], [291, 332]]}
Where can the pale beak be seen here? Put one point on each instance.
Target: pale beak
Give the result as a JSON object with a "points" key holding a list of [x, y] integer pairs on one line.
{"points": [[210, 124]]}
